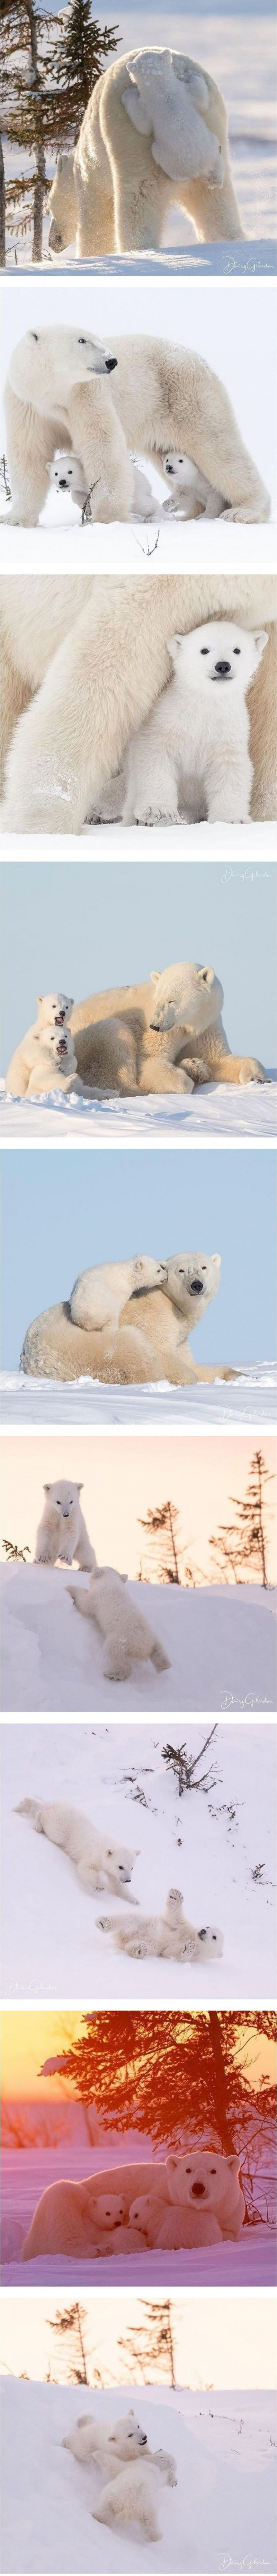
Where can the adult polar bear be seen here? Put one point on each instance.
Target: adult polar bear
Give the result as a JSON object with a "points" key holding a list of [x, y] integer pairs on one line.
{"points": [[58, 390], [148, 1339], [116, 189], [86, 658]]}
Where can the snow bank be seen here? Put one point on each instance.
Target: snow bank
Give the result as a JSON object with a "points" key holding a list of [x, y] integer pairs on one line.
{"points": [[248, 2265], [220, 1641], [225, 2494], [28, 1400], [218, 1847], [216, 1111]]}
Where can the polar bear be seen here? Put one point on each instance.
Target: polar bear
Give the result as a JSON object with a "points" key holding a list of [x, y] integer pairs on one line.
{"points": [[57, 392], [68, 2221], [66, 473], [98, 1295], [192, 756], [91, 656], [190, 492], [166, 399], [62, 1531], [53, 1013], [187, 997], [184, 2226], [114, 191], [130, 2498], [165, 1936], [62, 1343], [55, 1065], [208, 2181], [129, 1638], [123, 2440], [100, 1862]]}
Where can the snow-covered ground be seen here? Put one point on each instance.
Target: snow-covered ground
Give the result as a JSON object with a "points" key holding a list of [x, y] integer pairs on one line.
{"points": [[217, 1845], [249, 2265], [251, 1397], [221, 2513], [219, 1110], [220, 1641], [239, 53], [60, 544]]}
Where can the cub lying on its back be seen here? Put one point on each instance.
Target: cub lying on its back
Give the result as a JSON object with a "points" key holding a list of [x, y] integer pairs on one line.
{"points": [[164, 1936]]}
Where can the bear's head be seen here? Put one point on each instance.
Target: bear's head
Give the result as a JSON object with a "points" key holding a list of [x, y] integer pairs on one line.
{"points": [[63, 1502], [117, 1856], [107, 2209], [219, 655], [192, 1280], [203, 2180], [46, 364], [53, 1010], [186, 996], [127, 2437]]}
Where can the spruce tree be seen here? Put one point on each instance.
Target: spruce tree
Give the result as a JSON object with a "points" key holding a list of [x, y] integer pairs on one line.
{"points": [[49, 66], [80, 57]]}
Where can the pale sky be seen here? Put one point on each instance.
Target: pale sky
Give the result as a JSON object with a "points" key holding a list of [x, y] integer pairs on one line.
{"points": [[124, 1475], [219, 2342], [28, 2038]]}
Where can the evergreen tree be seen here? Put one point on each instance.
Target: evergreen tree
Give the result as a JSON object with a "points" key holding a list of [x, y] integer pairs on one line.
{"points": [[49, 66], [179, 2078], [80, 57]]}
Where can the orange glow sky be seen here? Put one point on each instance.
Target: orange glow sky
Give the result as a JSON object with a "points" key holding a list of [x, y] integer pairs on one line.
{"points": [[122, 1477], [220, 2342], [27, 2038]]}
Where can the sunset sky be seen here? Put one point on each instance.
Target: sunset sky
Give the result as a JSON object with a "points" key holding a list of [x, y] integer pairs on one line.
{"points": [[122, 1477], [220, 2342], [28, 2038]]}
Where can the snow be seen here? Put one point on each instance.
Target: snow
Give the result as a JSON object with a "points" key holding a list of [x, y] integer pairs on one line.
{"points": [[218, 1110], [251, 1397], [249, 2265], [209, 1843], [220, 1641], [60, 544], [239, 52], [223, 2444]]}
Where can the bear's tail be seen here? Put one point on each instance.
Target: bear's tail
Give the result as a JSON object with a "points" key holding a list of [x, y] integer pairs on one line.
{"points": [[27, 1807], [160, 1659]]}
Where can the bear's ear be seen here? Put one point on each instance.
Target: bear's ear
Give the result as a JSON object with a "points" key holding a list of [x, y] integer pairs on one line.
{"points": [[155, 974], [173, 646], [40, 997], [79, 1489], [260, 640], [234, 2163], [171, 2163], [47, 1489]]}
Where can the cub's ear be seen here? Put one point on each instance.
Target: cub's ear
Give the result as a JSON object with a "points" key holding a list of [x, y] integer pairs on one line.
{"points": [[260, 640], [40, 997], [79, 1489], [173, 646], [47, 1489], [155, 974]]}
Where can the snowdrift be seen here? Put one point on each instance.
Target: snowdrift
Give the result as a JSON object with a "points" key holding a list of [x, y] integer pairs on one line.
{"points": [[219, 1848], [220, 1641], [251, 1397], [224, 2499], [218, 1110]]}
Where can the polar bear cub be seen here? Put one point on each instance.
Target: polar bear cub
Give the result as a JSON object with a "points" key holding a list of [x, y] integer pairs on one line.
{"points": [[66, 473], [165, 1936], [99, 1295], [100, 1862], [170, 2228], [192, 753], [62, 1531], [70, 2220], [168, 101], [188, 485], [125, 2439], [52, 1013], [55, 1064], [128, 1635]]}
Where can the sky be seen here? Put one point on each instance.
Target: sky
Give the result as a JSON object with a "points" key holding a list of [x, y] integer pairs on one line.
{"points": [[116, 1204], [29, 2038], [220, 2342], [125, 1475], [82, 926], [222, 332]]}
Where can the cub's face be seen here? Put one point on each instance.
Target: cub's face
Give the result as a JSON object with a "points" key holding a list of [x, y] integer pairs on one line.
{"points": [[54, 1010], [218, 656], [63, 1499]]}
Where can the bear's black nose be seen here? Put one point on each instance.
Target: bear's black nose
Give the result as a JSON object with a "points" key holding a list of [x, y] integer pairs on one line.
{"points": [[110, 363], [196, 1287], [62, 482], [198, 2190], [222, 668], [169, 469], [65, 1516]]}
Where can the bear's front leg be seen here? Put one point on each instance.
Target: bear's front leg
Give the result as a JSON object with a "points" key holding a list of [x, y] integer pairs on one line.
{"points": [[228, 788], [45, 1555], [152, 791], [81, 1601], [116, 1665]]}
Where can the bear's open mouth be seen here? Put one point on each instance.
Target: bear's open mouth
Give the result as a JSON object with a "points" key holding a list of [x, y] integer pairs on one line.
{"points": [[59, 1019]]}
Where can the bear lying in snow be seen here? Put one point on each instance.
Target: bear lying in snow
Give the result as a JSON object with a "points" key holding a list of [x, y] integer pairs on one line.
{"points": [[123, 1333], [68, 2220], [191, 758], [170, 2228], [132, 1040], [129, 1637], [99, 1860], [55, 1065], [164, 1936], [206, 2202], [62, 1531]]}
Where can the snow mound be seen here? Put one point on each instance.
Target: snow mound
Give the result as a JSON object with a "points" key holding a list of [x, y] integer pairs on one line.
{"points": [[249, 2265], [220, 1641], [251, 1397], [224, 2449], [218, 1847], [218, 1110]]}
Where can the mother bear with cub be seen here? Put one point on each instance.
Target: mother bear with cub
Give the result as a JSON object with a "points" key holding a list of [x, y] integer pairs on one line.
{"points": [[188, 2200], [154, 134], [65, 388]]}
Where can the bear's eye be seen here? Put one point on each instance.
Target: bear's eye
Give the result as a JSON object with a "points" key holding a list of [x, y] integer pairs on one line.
{"points": [[109, 1855], [236, 648], [33, 335], [188, 2168], [204, 648], [82, 343]]}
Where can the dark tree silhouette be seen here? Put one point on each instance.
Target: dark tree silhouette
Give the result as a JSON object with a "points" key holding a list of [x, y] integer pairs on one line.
{"points": [[150, 2346], [71, 2322], [50, 63], [176, 2077], [242, 1543], [168, 1563], [185, 1765]]}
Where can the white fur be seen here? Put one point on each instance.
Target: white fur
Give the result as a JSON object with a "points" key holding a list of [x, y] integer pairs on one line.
{"points": [[171, 111], [155, 129], [99, 1295], [69, 2220], [187, 485], [192, 754], [62, 1531], [130, 2498], [166, 400], [66, 472], [53, 1012], [129, 1638], [130, 2490], [204, 2181], [165, 1936], [100, 1862], [55, 1064]]}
